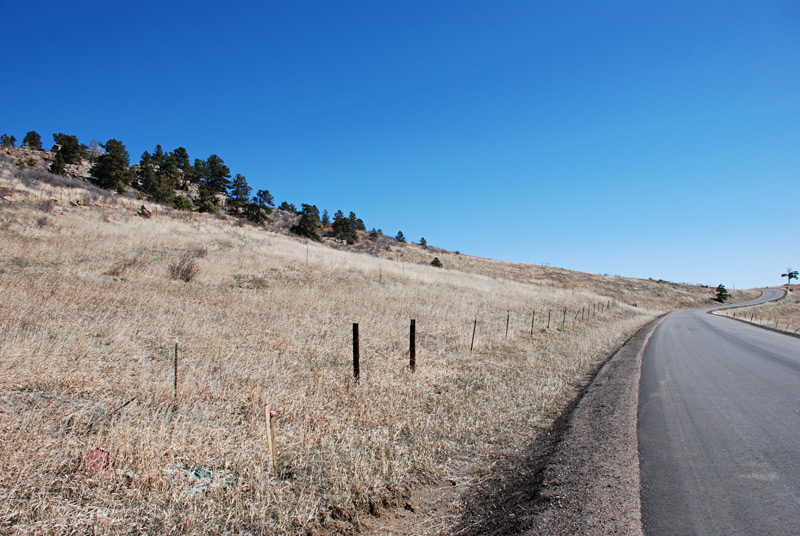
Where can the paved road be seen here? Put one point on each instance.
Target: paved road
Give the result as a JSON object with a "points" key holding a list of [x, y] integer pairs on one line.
{"points": [[719, 428]]}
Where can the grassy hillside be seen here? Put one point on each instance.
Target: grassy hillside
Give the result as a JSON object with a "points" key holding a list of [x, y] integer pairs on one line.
{"points": [[88, 328], [783, 315]]}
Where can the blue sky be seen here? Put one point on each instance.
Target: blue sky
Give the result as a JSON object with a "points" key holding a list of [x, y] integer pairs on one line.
{"points": [[644, 139]]}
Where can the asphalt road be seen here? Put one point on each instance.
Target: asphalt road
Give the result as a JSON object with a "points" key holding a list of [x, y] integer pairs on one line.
{"points": [[719, 428]]}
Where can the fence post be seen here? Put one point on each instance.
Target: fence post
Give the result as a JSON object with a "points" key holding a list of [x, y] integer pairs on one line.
{"points": [[548, 319], [508, 318], [355, 351], [564, 319], [533, 318], [412, 347], [175, 373], [474, 327]]}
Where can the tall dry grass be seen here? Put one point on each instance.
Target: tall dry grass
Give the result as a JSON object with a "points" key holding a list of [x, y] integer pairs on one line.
{"points": [[88, 325], [783, 315]]}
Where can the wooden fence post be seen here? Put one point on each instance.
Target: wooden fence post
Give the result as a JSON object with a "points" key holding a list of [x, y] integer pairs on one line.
{"points": [[564, 319], [508, 319], [271, 438], [355, 352], [533, 318], [412, 346], [175, 373], [548, 319], [474, 327]]}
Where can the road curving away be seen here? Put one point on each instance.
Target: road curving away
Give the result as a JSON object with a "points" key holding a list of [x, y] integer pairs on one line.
{"points": [[719, 428]]}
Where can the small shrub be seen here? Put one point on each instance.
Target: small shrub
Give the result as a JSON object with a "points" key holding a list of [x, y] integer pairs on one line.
{"points": [[47, 205], [181, 202], [207, 206], [436, 262], [186, 268], [125, 265], [31, 162], [43, 221]]}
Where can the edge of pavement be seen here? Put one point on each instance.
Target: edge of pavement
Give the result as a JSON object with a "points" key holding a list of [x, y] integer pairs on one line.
{"points": [[581, 475]]}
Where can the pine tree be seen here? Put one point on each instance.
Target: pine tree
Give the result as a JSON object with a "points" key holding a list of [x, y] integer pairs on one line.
{"points": [[344, 228], [722, 293], [72, 151], [217, 175], [309, 222], [111, 169], [400, 237], [358, 223], [146, 173], [58, 167], [260, 207], [7, 141], [33, 140], [181, 157], [239, 194]]}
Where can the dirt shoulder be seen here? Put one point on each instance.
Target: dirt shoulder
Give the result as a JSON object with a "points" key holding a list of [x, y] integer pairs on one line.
{"points": [[580, 476]]}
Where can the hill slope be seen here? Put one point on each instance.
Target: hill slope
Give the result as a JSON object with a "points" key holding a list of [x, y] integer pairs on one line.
{"points": [[91, 435]]}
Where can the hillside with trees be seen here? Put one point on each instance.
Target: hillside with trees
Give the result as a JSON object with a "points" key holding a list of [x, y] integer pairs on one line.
{"points": [[203, 185]]}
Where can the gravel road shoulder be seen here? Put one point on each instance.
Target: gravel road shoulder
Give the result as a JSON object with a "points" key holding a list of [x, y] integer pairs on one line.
{"points": [[580, 476]]}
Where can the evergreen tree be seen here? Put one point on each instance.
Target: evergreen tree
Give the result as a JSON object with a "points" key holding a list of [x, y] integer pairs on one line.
{"points": [[400, 237], [373, 234], [217, 175], [423, 242], [344, 228], [205, 200], [436, 262], [326, 220], [239, 195], [181, 157], [288, 207], [33, 140], [166, 181], [7, 141], [146, 173], [58, 167], [259, 209], [198, 171], [722, 293], [158, 156], [112, 168], [72, 151], [309, 222], [357, 222]]}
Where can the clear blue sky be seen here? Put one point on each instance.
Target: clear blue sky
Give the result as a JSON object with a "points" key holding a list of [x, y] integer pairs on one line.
{"points": [[646, 139]]}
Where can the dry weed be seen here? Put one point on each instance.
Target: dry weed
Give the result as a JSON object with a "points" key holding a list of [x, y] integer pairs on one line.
{"points": [[267, 321], [783, 315]]}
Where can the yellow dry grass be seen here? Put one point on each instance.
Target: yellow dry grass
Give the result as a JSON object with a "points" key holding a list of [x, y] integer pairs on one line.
{"points": [[783, 315], [88, 327]]}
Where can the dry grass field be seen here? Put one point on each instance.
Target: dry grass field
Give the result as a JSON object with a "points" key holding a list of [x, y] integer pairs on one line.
{"points": [[783, 315], [92, 440]]}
